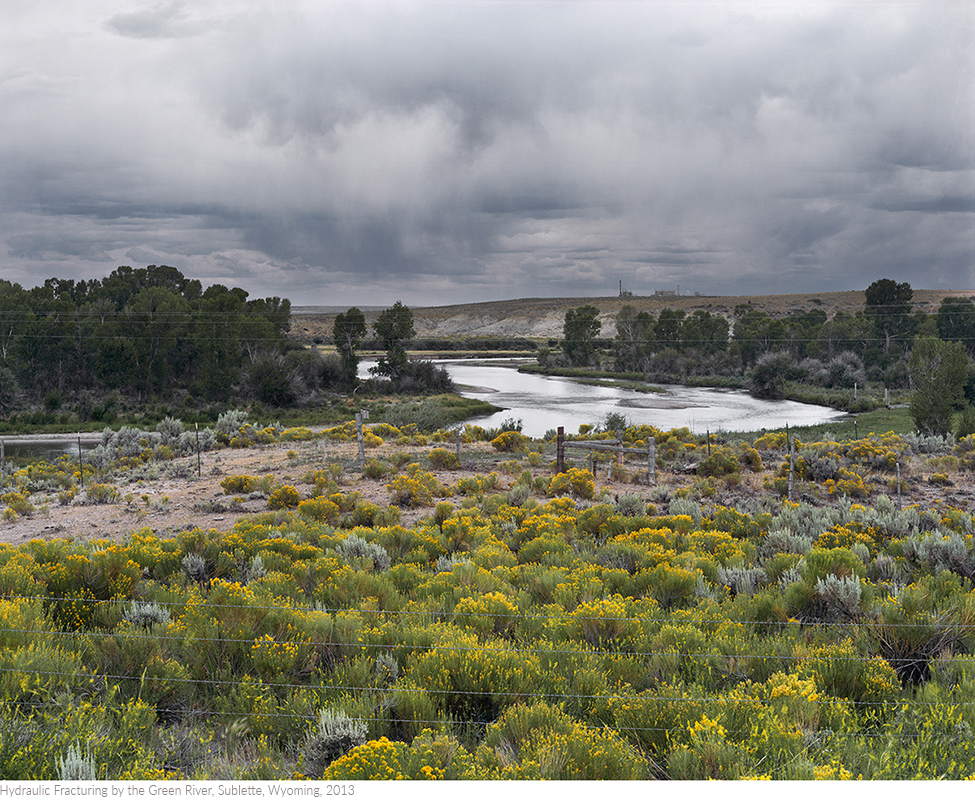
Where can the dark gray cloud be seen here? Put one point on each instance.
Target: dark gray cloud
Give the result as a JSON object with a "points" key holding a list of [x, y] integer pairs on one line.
{"points": [[448, 151]]}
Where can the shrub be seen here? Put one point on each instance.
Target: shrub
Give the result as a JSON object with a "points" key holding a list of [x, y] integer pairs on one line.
{"points": [[355, 547], [722, 461], [195, 567], [102, 493], [75, 766], [416, 488], [911, 631], [475, 680], [575, 481], [146, 614], [841, 593], [441, 458], [376, 469], [742, 580], [708, 756], [334, 736], [541, 742], [229, 425], [18, 503], [319, 509], [630, 505], [510, 442], [239, 484], [284, 497], [491, 614]]}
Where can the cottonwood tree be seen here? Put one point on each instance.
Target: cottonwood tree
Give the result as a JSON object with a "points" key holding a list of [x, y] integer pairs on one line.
{"points": [[348, 332], [580, 328], [956, 321], [393, 329], [888, 304], [634, 339], [938, 372]]}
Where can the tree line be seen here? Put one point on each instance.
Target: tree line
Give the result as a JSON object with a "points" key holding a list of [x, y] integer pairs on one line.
{"points": [[149, 332], [152, 334], [888, 343]]}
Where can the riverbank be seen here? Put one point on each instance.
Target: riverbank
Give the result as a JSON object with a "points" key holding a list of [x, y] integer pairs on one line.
{"points": [[852, 401]]}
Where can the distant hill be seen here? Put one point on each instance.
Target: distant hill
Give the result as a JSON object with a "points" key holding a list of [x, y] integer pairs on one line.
{"points": [[542, 318]]}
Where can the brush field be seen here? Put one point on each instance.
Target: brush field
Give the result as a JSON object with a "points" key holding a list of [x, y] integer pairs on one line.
{"points": [[276, 612]]}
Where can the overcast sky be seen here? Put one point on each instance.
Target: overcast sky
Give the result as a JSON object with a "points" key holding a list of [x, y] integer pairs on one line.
{"points": [[454, 151]]}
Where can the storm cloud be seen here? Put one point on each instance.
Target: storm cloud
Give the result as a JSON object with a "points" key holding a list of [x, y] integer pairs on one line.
{"points": [[441, 152]]}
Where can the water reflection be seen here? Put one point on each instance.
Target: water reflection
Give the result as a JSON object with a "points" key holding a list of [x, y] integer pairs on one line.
{"points": [[48, 446], [543, 403]]}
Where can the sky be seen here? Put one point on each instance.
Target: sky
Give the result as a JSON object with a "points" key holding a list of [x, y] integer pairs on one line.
{"points": [[460, 151]]}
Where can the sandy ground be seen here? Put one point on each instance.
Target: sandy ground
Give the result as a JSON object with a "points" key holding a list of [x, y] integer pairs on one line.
{"points": [[146, 507], [142, 502]]}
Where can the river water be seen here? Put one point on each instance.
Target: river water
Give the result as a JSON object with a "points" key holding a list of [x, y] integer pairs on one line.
{"points": [[543, 403]]}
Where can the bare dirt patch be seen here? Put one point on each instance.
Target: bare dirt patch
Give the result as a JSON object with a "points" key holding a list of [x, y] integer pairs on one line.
{"points": [[169, 504]]}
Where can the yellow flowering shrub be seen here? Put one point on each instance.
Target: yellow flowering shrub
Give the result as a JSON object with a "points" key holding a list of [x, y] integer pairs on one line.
{"points": [[574, 481], [416, 488], [239, 484], [541, 742], [284, 497], [431, 757], [490, 614], [473, 679], [606, 624], [319, 509], [707, 756], [510, 442], [850, 483]]}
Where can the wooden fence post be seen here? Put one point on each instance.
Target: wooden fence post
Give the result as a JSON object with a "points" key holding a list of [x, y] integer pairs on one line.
{"points": [[560, 450], [652, 460], [899, 485], [81, 465], [363, 414], [792, 464]]}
